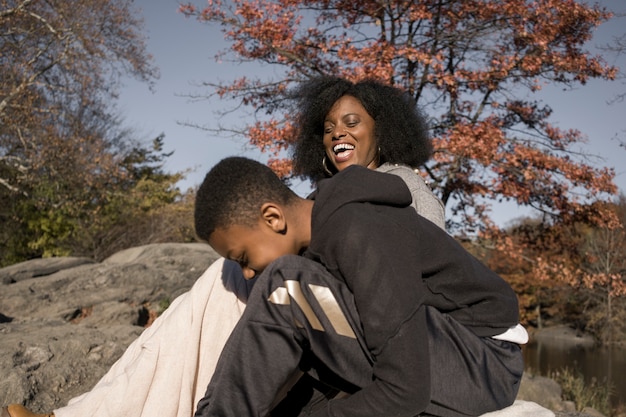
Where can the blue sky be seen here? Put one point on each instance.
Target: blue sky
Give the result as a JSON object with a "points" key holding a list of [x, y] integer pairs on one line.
{"points": [[184, 51]]}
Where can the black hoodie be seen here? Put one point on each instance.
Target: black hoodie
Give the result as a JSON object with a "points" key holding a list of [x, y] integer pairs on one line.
{"points": [[365, 232]]}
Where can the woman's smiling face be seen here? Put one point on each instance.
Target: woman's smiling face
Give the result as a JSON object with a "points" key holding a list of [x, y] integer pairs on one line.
{"points": [[349, 135]]}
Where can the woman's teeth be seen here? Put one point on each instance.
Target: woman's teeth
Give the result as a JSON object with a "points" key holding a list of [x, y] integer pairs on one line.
{"points": [[342, 147]]}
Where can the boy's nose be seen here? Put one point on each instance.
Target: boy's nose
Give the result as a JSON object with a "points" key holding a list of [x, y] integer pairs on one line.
{"points": [[248, 273]]}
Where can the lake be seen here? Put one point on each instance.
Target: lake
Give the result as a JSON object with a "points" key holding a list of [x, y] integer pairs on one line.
{"points": [[602, 363]]}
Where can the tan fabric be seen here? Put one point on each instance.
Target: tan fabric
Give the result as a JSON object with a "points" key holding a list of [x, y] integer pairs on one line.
{"points": [[165, 371]]}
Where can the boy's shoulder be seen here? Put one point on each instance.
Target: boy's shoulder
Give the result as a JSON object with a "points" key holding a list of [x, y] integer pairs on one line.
{"points": [[357, 184]]}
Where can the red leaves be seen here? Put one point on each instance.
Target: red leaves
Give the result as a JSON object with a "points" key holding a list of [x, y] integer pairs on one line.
{"points": [[271, 136], [468, 63]]}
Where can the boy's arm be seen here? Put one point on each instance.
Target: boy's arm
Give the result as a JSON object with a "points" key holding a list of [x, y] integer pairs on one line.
{"points": [[286, 315], [375, 257]]}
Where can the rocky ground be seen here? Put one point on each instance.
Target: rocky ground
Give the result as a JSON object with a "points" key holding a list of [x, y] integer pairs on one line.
{"points": [[65, 321]]}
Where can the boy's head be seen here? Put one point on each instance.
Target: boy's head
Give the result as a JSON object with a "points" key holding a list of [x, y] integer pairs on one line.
{"points": [[242, 209]]}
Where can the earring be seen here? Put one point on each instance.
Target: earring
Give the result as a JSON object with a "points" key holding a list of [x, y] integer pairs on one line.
{"points": [[326, 170]]}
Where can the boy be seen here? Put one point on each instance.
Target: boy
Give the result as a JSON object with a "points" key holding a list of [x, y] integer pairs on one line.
{"points": [[382, 304]]}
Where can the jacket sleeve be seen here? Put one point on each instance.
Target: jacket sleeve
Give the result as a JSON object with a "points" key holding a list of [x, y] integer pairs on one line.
{"points": [[372, 258]]}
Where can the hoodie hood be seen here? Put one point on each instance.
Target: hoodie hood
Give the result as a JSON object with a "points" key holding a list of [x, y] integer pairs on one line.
{"points": [[357, 184]]}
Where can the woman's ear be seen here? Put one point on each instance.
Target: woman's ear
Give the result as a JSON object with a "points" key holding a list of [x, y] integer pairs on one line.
{"points": [[274, 217]]}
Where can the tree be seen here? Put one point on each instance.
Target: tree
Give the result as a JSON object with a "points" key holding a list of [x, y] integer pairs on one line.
{"points": [[617, 47], [535, 293], [603, 255], [574, 272], [145, 207], [62, 146], [473, 65]]}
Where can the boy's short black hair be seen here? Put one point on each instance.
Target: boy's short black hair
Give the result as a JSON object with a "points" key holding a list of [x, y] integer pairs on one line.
{"points": [[232, 193]]}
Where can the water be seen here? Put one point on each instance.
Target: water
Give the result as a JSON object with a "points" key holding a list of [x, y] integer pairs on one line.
{"points": [[605, 364]]}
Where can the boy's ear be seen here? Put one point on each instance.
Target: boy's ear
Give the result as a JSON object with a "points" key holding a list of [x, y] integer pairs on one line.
{"points": [[274, 217]]}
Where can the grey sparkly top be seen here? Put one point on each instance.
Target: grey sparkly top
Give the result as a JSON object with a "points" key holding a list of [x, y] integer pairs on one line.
{"points": [[425, 202]]}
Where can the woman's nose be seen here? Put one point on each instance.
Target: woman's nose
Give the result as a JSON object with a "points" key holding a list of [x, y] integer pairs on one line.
{"points": [[339, 132]]}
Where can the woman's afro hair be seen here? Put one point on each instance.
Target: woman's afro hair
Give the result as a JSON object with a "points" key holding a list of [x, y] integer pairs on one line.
{"points": [[400, 129]]}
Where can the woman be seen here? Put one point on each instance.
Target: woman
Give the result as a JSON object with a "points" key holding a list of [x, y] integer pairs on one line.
{"points": [[167, 369], [366, 123]]}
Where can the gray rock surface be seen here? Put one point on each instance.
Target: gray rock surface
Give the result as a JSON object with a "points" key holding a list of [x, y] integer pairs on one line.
{"points": [[65, 321], [547, 393], [544, 391], [39, 268]]}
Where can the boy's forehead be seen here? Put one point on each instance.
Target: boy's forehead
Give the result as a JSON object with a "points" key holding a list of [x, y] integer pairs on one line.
{"points": [[233, 238], [224, 239]]}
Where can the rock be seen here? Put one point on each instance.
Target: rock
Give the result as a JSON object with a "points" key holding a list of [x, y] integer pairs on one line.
{"points": [[544, 391], [39, 268], [547, 393], [135, 279], [45, 363], [65, 321]]}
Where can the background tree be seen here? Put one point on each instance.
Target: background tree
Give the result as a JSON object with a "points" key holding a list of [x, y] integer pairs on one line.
{"points": [[65, 158], [145, 207], [617, 47], [570, 272], [539, 298], [603, 278], [473, 65]]}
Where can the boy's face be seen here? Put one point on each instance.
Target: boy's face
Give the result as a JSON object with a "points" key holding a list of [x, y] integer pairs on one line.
{"points": [[253, 248]]}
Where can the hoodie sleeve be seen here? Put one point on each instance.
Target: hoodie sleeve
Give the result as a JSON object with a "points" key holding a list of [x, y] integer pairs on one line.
{"points": [[359, 249]]}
